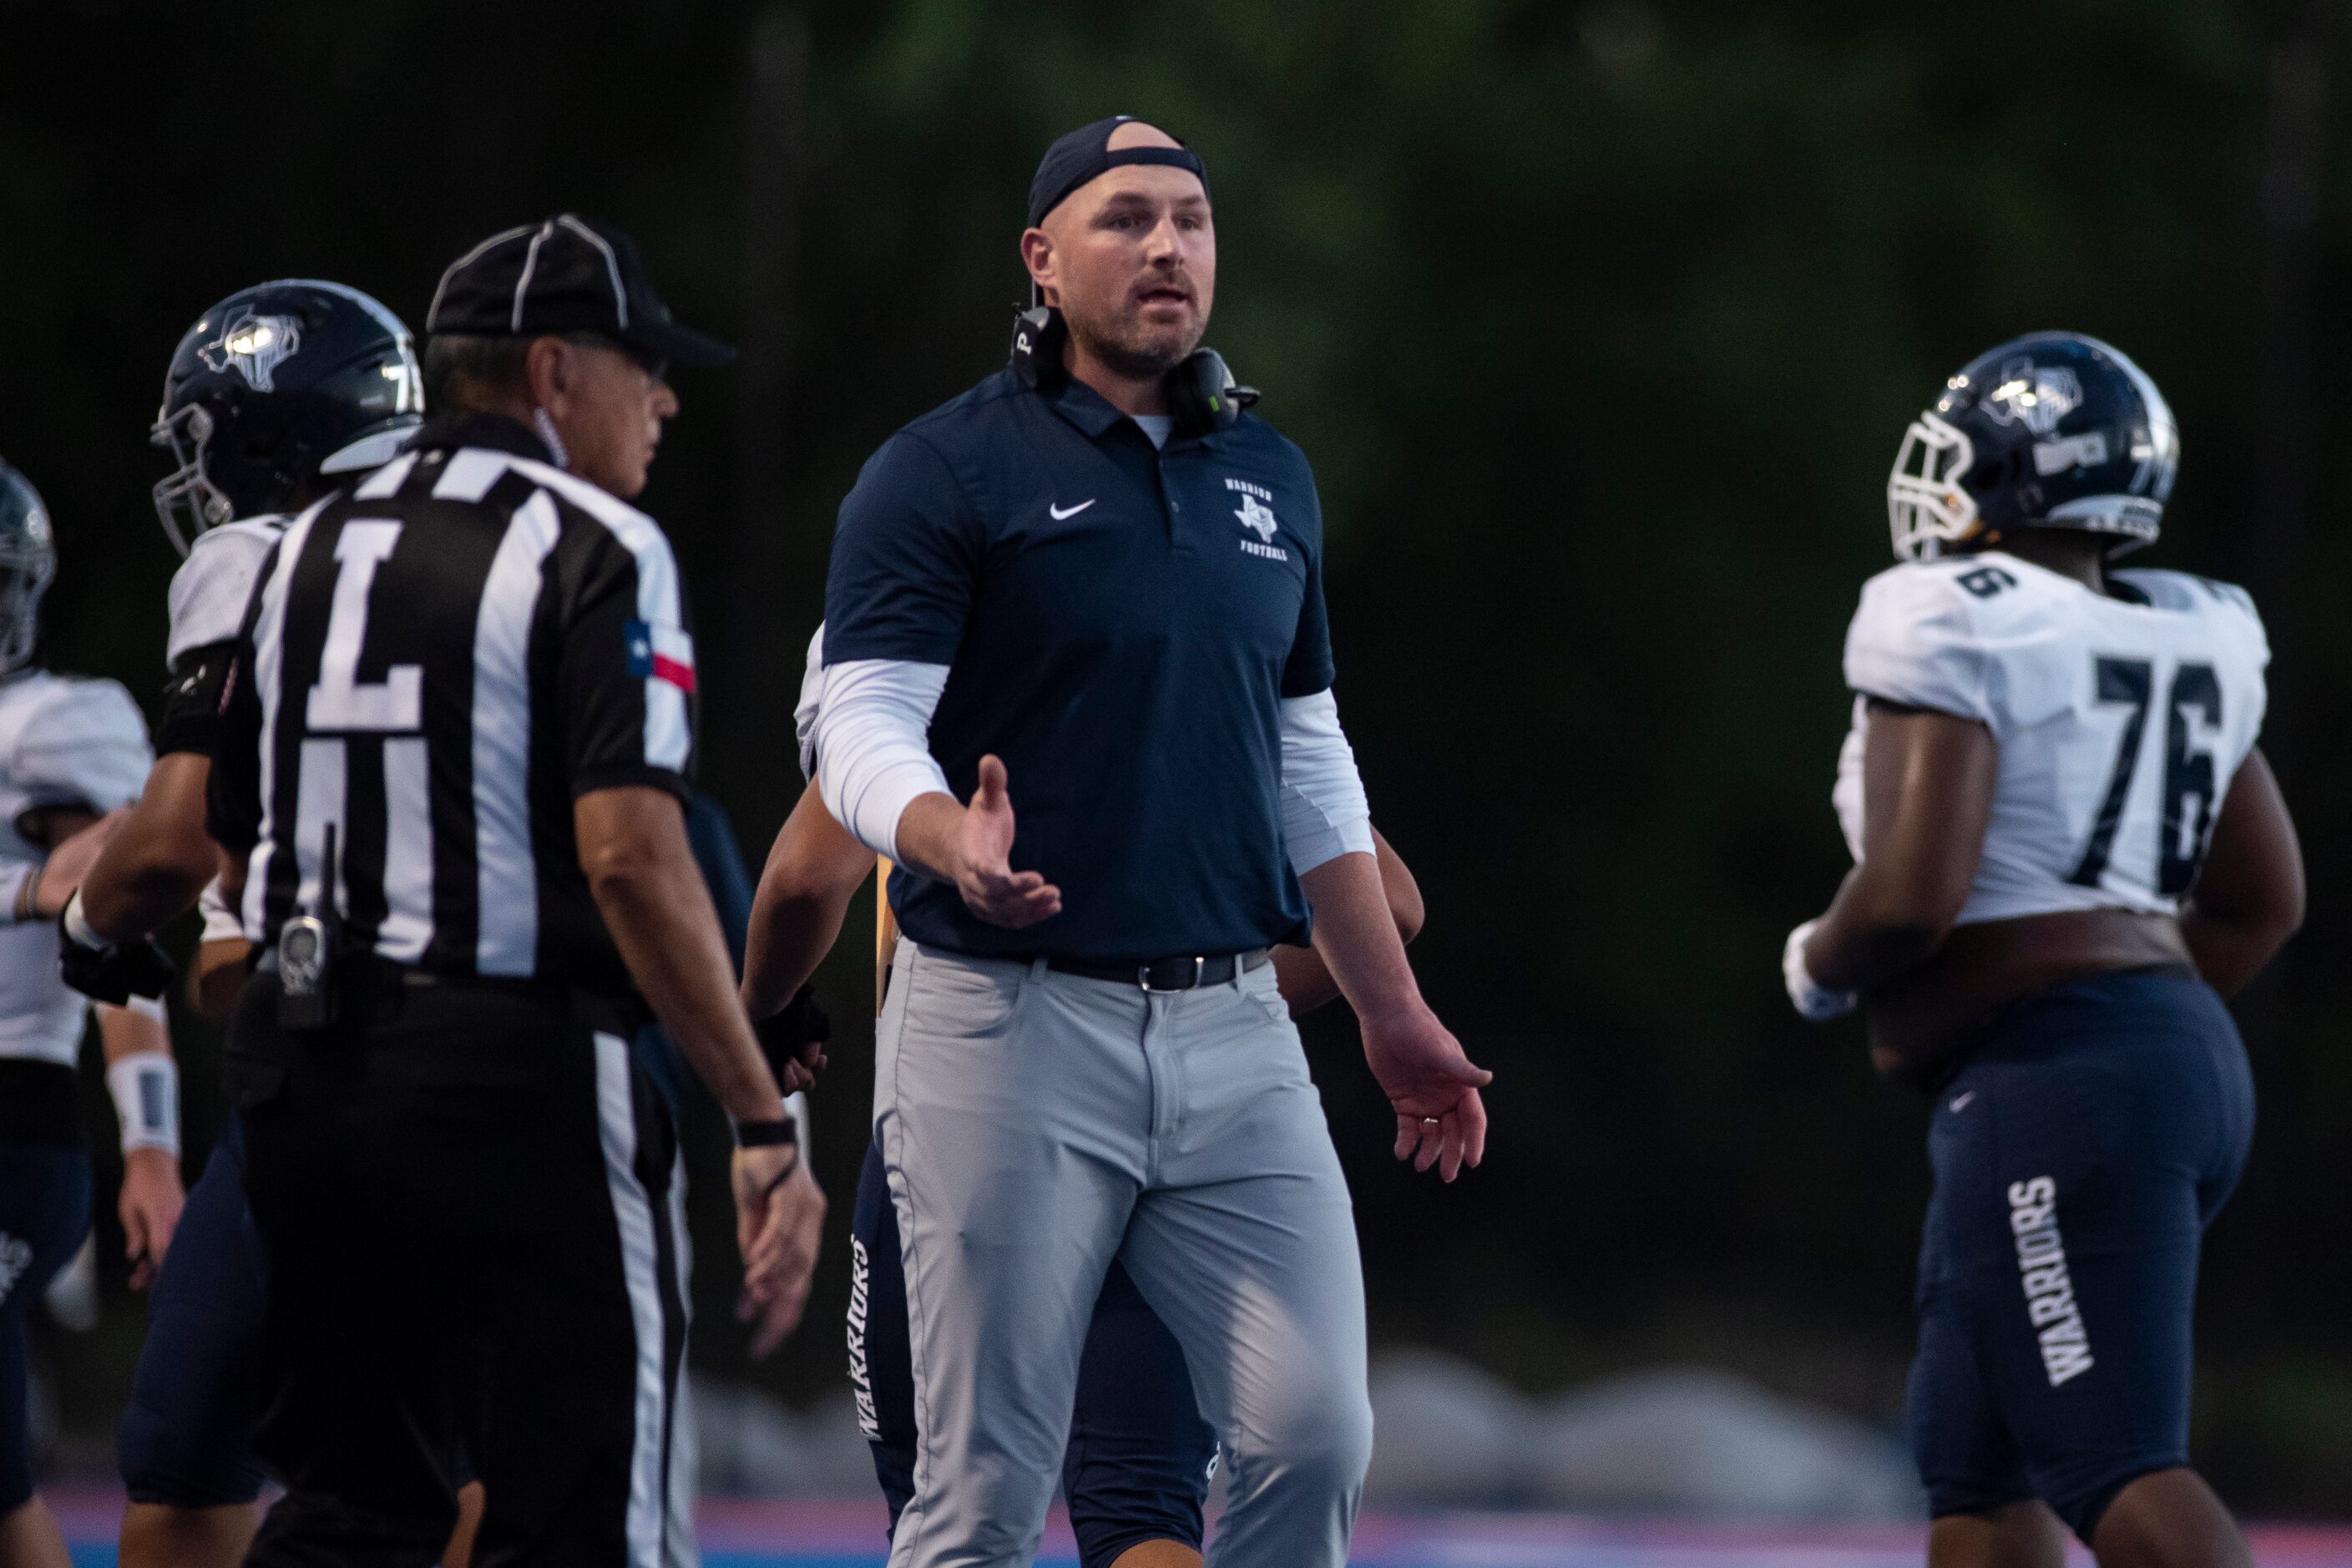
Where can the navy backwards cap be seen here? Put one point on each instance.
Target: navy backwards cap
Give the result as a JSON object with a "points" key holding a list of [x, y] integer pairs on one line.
{"points": [[1083, 153], [568, 274]]}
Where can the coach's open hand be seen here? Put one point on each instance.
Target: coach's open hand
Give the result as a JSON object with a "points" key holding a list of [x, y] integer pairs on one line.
{"points": [[1420, 1066], [1432, 1087], [971, 846]]}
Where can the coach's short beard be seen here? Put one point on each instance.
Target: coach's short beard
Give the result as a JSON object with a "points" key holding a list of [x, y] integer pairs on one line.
{"points": [[1143, 356]]}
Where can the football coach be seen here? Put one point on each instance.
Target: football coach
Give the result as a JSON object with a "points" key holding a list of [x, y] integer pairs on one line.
{"points": [[1094, 585]]}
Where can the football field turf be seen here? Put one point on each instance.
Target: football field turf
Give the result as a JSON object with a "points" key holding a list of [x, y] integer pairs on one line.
{"points": [[737, 1534]]}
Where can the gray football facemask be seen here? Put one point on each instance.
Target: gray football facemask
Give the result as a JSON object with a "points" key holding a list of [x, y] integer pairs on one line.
{"points": [[28, 564]]}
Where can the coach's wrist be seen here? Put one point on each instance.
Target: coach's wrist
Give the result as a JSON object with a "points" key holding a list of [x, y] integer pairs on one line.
{"points": [[929, 838]]}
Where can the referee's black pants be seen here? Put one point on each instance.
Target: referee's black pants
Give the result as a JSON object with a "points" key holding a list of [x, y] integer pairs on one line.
{"points": [[463, 1195]]}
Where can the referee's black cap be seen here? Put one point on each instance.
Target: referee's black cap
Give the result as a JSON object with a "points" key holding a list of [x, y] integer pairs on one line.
{"points": [[568, 274], [1082, 154]]}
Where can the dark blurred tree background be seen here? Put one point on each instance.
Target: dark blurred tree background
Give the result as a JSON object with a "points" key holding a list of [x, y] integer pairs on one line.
{"points": [[1600, 321]]}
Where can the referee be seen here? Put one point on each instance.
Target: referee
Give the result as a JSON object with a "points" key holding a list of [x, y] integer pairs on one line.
{"points": [[1093, 586], [453, 762]]}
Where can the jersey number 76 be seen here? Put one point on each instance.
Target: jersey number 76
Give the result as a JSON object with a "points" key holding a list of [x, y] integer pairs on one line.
{"points": [[2181, 839]]}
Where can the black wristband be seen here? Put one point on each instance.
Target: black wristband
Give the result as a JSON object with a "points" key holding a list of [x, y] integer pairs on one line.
{"points": [[782, 1132]]}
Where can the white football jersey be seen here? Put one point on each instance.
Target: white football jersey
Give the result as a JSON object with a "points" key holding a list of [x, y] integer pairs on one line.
{"points": [[64, 741], [210, 594], [2121, 719], [812, 702], [214, 583]]}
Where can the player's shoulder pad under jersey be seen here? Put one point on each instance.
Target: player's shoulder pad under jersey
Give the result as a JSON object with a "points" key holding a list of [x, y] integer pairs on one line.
{"points": [[812, 702], [2231, 607], [214, 583], [1935, 633], [78, 742]]}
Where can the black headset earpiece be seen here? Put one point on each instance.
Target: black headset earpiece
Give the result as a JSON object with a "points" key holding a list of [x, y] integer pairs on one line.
{"points": [[1037, 334], [1203, 396]]}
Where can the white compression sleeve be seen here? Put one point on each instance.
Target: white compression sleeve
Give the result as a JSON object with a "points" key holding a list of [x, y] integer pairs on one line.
{"points": [[872, 745], [1324, 813]]}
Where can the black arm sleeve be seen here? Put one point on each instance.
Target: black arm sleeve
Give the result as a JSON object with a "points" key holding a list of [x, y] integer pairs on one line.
{"points": [[192, 699], [233, 794]]}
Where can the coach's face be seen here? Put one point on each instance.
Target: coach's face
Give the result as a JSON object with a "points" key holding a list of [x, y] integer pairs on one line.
{"points": [[1130, 259], [607, 406]]}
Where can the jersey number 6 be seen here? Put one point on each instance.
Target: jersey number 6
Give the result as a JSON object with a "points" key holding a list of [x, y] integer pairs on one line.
{"points": [[2188, 771]]}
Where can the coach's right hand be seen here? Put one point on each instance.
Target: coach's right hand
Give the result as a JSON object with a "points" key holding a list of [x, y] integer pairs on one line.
{"points": [[971, 846]]}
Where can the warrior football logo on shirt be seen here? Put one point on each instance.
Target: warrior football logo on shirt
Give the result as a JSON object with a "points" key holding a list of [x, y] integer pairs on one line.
{"points": [[661, 653], [2037, 395], [254, 346], [1258, 517]]}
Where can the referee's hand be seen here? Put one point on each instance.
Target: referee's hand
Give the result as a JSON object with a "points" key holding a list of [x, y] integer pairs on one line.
{"points": [[984, 874], [779, 1219]]}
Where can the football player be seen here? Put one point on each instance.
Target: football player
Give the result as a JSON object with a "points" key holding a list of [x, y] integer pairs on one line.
{"points": [[275, 392], [2068, 850], [71, 751], [1136, 1470]]}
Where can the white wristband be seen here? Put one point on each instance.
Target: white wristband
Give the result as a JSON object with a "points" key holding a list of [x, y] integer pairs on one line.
{"points": [[146, 1089], [77, 925], [1814, 1002]]}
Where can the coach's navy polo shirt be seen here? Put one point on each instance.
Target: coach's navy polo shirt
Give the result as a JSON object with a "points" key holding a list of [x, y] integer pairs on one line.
{"points": [[1121, 624]]}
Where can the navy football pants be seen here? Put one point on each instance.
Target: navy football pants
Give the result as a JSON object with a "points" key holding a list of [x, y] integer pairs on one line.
{"points": [[1140, 1456], [44, 1192], [186, 1436], [2093, 1132]]}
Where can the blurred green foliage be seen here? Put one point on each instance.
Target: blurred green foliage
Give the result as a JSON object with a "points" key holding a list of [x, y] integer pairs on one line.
{"points": [[1600, 321]]}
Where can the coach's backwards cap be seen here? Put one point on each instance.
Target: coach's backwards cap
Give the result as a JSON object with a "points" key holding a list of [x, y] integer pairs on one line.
{"points": [[566, 275], [1085, 153]]}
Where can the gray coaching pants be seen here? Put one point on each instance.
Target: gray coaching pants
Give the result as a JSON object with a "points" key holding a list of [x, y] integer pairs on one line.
{"points": [[1037, 1125]]}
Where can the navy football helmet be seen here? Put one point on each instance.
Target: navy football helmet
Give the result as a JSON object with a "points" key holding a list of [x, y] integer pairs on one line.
{"points": [[28, 561], [273, 387], [2052, 430]]}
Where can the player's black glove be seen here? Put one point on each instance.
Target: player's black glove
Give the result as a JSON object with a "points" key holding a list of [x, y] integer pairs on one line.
{"points": [[116, 973], [792, 1034]]}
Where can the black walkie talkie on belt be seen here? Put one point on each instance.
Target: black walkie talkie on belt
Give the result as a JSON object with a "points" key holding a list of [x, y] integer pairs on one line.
{"points": [[306, 954]]}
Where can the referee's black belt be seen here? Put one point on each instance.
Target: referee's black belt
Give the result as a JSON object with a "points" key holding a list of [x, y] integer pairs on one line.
{"points": [[1187, 972]]}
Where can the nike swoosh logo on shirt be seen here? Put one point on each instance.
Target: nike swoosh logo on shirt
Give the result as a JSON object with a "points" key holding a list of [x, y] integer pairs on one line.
{"points": [[1058, 513], [1960, 1101]]}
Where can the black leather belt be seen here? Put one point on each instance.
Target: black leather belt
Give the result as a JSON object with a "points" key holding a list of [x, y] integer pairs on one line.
{"points": [[1163, 975]]}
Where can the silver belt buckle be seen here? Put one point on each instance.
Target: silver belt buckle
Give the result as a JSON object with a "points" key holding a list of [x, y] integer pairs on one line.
{"points": [[1143, 978]]}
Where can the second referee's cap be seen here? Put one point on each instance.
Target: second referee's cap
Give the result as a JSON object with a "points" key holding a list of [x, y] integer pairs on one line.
{"points": [[1082, 154], [568, 274]]}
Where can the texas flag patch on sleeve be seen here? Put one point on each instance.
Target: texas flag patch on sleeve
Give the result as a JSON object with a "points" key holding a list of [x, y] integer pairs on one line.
{"points": [[662, 653]]}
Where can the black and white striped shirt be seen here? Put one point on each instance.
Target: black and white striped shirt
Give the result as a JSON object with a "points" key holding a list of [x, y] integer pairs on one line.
{"points": [[439, 663]]}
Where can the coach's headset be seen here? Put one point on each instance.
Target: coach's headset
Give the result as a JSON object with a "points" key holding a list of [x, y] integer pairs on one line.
{"points": [[1203, 396]]}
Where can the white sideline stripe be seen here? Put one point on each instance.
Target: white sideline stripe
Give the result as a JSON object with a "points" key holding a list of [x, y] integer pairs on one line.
{"points": [[640, 1268], [506, 886]]}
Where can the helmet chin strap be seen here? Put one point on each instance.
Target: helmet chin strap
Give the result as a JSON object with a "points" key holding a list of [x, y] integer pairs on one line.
{"points": [[544, 423]]}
